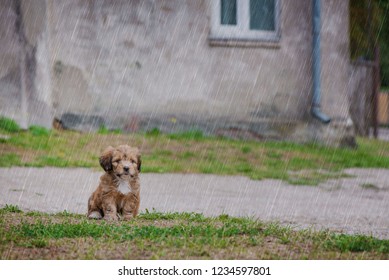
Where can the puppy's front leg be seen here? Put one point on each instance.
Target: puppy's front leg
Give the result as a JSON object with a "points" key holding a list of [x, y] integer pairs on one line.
{"points": [[93, 210], [110, 211], [128, 214], [129, 209]]}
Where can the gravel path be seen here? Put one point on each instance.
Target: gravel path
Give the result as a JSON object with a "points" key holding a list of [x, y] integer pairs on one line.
{"points": [[356, 204]]}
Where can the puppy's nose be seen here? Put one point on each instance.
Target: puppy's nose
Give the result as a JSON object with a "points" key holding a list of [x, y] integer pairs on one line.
{"points": [[126, 168]]}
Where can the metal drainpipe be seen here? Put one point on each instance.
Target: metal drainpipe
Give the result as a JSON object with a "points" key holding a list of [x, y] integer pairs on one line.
{"points": [[316, 22]]}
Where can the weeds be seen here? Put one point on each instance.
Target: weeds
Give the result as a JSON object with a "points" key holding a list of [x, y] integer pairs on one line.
{"points": [[10, 209]]}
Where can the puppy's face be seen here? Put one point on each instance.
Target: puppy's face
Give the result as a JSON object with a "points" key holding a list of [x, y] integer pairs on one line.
{"points": [[123, 161]]}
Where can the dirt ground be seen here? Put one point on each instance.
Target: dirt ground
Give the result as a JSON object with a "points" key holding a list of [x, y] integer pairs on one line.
{"points": [[358, 203]]}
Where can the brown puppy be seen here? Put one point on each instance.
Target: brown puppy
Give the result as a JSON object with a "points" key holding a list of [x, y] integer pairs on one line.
{"points": [[122, 166]]}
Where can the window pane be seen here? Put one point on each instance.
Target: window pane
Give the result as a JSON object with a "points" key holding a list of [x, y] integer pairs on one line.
{"points": [[228, 12], [262, 15]]}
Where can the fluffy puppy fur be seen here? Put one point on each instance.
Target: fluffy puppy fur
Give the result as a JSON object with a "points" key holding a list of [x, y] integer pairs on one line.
{"points": [[122, 166]]}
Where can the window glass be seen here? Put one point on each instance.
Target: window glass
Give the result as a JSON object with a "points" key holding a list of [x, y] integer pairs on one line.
{"points": [[228, 12], [262, 15]]}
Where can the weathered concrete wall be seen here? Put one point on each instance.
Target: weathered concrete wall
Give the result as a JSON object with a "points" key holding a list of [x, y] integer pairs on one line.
{"points": [[140, 64], [336, 74], [10, 98], [34, 18], [335, 58], [25, 93], [153, 57], [144, 64]]}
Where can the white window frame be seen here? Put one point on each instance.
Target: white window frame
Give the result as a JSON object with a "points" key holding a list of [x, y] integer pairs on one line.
{"points": [[241, 31]]}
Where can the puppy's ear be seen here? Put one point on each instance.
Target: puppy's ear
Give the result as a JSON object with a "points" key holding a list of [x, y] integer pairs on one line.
{"points": [[139, 161], [106, 159]]}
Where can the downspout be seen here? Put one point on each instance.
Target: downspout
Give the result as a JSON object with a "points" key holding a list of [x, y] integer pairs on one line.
{"points": [[316, 22]]}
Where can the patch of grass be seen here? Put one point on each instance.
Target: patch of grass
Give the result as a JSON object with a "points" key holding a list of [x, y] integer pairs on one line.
{"points": [[104, 130], [154, 215], [59, 161], [8, 125], [193, 152], [36, 243], [244, 167], [196, 135], [357, 243], [51, 161], [41, 230], [155, 235], [246, 149], [271, 154], [154, 169], [39, 131], [9, 160], [162, 153], [187, 155], [153, 132], [10, 209], [66, 214], [26, 140]]}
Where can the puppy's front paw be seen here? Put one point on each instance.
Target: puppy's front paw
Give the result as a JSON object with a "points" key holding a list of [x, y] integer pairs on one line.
{"points": [[95, 215], [127, 217], [111, 217]]}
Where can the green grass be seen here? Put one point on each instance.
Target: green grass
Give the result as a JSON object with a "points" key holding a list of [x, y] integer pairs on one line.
{"points": [[10, 209], [104, 130], [358, 243], [39, 131], [9, 160], [193, 152], [153, 132], [8, 125], [188, 135], [158, 235]]}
